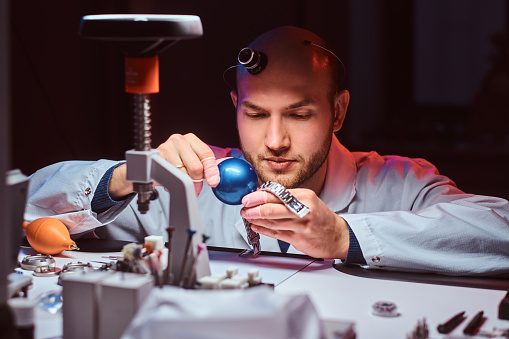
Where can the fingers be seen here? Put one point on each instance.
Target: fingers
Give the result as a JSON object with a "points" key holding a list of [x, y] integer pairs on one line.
{"points": [[193, 157], [267, 212], [264, 205], [279, 225], [211, 171], [186, 152], [198, 185], [270, 232], [254, 199], [260, 197]]}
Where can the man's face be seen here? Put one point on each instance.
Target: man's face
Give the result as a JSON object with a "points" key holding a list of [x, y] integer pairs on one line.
{"points": [[285, 122]]}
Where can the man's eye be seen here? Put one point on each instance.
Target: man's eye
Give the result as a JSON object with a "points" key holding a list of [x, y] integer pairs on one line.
{"points": [[255, 115], [301, 116]]}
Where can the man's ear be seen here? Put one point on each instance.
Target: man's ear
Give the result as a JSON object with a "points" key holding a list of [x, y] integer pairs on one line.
{"points": [[233, 95], [341, 101]]}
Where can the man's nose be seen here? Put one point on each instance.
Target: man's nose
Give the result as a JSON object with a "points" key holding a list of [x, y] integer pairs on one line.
{"points": [[277, 137]]}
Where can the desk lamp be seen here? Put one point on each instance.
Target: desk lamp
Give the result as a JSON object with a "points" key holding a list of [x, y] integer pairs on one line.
{"points": [[141, 38]]}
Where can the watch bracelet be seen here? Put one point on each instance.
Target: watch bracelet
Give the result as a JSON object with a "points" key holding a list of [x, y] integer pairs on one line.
{"points": [[291, 202]]}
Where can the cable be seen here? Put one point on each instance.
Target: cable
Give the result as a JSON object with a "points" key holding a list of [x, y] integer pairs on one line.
{"points": [[307, 42], [259, 69], [224, 79]]}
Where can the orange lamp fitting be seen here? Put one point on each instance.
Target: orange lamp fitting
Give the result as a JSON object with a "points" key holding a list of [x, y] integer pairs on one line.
{"points": [[142, 75]]}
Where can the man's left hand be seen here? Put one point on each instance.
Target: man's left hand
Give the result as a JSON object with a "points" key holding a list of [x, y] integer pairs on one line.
{"points": [[321, 233]]}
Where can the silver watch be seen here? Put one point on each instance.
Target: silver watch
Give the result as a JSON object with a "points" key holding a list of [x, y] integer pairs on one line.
{"points": [[286, 197]]}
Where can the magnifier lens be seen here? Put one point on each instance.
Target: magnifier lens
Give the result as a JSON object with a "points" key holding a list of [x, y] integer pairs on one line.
{"points": [[246, 56]]}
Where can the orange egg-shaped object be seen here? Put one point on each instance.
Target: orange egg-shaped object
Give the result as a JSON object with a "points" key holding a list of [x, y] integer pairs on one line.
{"points": [[48, 236]]}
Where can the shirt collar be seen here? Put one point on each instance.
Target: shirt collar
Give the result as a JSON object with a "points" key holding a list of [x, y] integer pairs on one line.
{"points": [[339, 188]]}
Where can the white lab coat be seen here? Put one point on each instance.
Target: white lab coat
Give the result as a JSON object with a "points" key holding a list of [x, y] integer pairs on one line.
{"points": [[404, 214]]}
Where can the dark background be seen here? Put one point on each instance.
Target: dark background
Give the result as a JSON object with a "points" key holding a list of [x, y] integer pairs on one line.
{"points": [[428, 78]]}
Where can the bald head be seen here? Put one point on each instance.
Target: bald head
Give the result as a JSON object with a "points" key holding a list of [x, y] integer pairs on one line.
{"points": [[287, 113], [289, 55]]}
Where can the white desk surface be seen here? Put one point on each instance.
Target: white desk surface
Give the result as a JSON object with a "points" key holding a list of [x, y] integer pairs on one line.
{"points": [[336, 295]]}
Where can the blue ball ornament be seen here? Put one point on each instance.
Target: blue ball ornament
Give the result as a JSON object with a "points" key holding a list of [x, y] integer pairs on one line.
{"points": [[238, 178]]}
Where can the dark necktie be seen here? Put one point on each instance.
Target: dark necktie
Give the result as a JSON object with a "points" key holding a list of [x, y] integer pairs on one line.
{"points": [[283, 245]]}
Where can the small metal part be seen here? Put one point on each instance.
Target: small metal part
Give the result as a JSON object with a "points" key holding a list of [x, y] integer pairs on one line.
{"points": [[168, 274], [46, 271], [79, 266], [31, 262], [154, 194], [292, 203], [448, 326], [190, 234], [113, 257], [253, 238], [385, 309], [142, 141], [105, 266], [72, 268], [247, 253], [420, 331], [144, 191], [142, 133]]}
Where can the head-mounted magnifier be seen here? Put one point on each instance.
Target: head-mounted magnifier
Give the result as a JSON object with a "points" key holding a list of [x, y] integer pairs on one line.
{"points": [[255, 61], [252, 60]]}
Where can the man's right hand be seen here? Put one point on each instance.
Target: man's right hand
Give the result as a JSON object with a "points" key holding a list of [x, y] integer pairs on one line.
{"points": [[188, 153], [193, 157]]}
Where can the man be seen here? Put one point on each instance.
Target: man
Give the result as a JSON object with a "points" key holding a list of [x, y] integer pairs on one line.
{"points": [[380, 212]]}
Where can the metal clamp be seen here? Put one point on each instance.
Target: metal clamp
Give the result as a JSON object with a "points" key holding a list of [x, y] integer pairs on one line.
{"points": [[47, 271], [72, 268], [31, 262]]}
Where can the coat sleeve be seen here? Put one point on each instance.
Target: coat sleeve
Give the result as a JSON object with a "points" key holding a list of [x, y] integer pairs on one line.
{"points": [[423, 222], [65, 191]]}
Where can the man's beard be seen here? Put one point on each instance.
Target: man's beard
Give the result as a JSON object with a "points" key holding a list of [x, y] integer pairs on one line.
{"points": [[299, 179]]}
